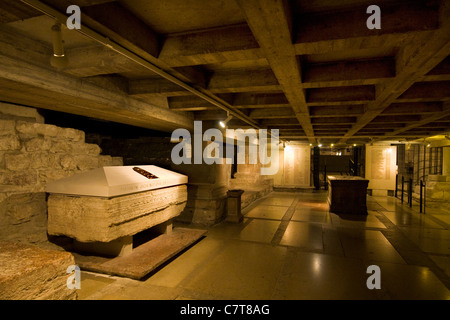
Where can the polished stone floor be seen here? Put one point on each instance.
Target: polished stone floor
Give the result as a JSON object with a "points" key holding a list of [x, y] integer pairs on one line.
{"points": [[290, 246]]}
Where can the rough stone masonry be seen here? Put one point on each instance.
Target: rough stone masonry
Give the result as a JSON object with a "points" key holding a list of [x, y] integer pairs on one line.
{"points": [[31, 154], [28, 272]]}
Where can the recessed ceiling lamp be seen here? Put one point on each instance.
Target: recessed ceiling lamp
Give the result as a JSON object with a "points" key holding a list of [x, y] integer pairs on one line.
{"points": [[223, 124], [287, 146], [59, 59]]}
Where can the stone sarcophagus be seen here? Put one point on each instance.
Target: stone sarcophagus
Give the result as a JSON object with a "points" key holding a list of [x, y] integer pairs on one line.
{"points": [[111, 203], [113, 214]]}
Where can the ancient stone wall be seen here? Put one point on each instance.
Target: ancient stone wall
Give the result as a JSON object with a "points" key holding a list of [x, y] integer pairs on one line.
{"points": [[139, 151], [437, 192], [31, 154], [248, 178], [208, 184]]}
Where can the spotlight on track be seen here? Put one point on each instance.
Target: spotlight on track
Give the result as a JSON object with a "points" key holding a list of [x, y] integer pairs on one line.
{"points": [[59, 59], [223, 124]]}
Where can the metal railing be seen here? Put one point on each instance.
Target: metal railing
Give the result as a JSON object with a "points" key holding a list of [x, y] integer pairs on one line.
{"points": [[409, 192]]}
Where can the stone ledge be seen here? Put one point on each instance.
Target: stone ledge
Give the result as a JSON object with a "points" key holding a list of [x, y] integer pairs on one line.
{"points": [[15, 112], [28, 272], [438, 178], [145, 258], [248, 197]]}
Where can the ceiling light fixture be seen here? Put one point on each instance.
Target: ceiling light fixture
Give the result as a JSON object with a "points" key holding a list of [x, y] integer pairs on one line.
{"points": [[223, 124], [59, 59], [287, 146]]}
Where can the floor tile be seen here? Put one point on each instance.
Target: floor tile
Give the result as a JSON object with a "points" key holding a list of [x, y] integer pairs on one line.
{"points": [[259, 231], [311, 216], [139, 292], [442, 262], [115, 289], [385, 203], [375, 206], [357, 221], [320, 255], [303, 235], [368, 245], [445, 218], [318, 276], [411, 282], [174, 273], [226, 230], [277, 201], [242, 270], [331, 241], [429, 239], [267, 212], [403, 218], [314, 205], [92, 283]]}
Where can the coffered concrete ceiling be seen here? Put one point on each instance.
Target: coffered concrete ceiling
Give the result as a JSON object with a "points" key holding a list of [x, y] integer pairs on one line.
{"points": [[309, 68]]}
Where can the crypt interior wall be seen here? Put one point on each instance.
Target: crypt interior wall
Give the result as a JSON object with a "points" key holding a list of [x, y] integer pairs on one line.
{"points": [[31, 154], [294, 167], [208, 184]]}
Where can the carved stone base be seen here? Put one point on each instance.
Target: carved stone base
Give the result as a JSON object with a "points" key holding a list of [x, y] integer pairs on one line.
{"points": [[145, 258]]}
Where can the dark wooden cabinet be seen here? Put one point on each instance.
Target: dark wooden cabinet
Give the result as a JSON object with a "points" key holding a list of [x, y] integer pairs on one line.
{"points": [[347, 194]]}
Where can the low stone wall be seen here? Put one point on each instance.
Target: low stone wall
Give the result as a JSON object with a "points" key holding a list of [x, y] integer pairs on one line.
{"points": [[28, 272], [255, 186], [31, 155], [438, 192], [206, 204], [248, 197]]}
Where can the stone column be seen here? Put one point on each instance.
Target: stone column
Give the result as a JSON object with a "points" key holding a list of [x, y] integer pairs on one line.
{"points": [[446, 161]]}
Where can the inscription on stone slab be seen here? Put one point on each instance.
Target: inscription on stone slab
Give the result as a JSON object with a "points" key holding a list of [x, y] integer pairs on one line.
{"points": [[380, 163], [146, 174]]}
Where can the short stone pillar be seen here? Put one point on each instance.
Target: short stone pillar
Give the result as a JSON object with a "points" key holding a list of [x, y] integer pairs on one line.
{"points": [[234, 213]]}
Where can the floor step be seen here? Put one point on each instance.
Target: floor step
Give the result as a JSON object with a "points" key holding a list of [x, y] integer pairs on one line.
{"points": [[145, 258]]}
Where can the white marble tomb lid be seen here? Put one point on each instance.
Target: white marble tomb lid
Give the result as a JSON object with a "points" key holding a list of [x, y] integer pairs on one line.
{"points": [[115, 181]]}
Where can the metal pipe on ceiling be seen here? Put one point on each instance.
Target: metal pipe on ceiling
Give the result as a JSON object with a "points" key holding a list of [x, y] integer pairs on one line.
{"points": [[90, 33]]}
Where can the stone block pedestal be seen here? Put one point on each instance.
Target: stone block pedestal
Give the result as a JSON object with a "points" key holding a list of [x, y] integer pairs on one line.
{"points": [[234, 213], [116, 248], [347, 195]]}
